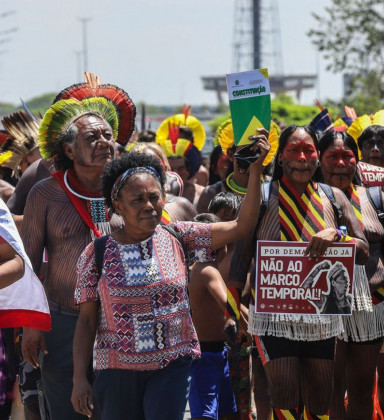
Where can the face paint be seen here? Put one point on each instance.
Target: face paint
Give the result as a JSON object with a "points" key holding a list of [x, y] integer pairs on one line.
{"points": [[338, 165], [339, 157], [299, 150]]}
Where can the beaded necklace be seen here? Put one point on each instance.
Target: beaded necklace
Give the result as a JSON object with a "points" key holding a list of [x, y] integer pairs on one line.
{"points": [[231, 184]]}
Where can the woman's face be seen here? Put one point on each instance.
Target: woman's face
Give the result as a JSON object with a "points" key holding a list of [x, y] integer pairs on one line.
{"points": [[338, 165], [140, 203], [299, 158]]}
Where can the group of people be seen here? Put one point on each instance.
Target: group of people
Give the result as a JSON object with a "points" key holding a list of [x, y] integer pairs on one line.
{"points": [[147, 258]]}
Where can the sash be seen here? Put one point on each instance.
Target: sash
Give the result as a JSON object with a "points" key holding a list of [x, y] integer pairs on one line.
{"points": [[300, 217]]}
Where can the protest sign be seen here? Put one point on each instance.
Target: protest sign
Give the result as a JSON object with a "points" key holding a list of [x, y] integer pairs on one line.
{"points": [[372, 175], [288, 282], [249, 102]]}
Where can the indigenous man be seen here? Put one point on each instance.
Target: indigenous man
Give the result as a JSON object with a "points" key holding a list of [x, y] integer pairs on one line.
{"points": [[62, 214]]}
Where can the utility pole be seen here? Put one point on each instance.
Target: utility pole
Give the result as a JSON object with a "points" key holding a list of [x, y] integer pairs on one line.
{"points": [[78, 65], [84, 22]]}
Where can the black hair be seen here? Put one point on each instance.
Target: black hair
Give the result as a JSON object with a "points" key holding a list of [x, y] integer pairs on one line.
{"points": [[283, 140], [225, 200], [372, 132], [128, 160], [329, 138], [146, 136], [206, 218], [185, 133], [216, 153], [213, 159]]}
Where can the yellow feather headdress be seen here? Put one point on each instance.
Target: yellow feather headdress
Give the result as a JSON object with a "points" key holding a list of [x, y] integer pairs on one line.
{"points": [[361, 123], [224, 136]]}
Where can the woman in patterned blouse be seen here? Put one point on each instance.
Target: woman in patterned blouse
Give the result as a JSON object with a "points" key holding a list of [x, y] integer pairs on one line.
{"points": [[136, 314]]}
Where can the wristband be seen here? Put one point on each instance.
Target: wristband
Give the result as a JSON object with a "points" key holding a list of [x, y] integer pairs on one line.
{"points": [[233, 303], [338, 236]]}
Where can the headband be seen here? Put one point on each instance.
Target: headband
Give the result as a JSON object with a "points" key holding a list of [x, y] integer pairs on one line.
{"points": [[121, 179]]}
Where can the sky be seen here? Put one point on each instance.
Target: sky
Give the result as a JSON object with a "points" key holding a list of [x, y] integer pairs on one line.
{"points": [[156, 50]]}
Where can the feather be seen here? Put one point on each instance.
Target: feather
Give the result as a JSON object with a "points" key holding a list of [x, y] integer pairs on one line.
{"points": [[350, 112], [23, 136], [125, 108]]}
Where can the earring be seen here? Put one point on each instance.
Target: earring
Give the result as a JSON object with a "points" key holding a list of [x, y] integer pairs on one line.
{"points": [[280, 162], [318, 163]]}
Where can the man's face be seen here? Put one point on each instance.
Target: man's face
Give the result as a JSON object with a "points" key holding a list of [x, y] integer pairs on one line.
{"points": [[94, 144], [179, 166], [372, 151]]}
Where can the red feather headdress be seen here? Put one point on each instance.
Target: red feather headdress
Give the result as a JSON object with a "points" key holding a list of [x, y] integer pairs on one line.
{"points": [[125, 108]]}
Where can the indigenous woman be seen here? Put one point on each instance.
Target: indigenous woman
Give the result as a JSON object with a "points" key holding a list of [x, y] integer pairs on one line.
{"points": [[138, 307], [298, 350], [359, 346]]}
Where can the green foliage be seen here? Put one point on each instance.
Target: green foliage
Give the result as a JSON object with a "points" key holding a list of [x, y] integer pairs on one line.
{"points": [[350, 34], [41, 103], [285, 110], [6, 108]]}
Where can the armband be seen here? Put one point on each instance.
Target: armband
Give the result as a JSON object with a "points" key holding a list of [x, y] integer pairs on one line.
{"points": [[338, 236], [233, 303]]}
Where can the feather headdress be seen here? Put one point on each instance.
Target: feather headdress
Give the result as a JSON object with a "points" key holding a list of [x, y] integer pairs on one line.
{"points": [[64, 112], [361, 123], [164, 131], [23, 136], [125, 108], [168, 137], [225, 137]]}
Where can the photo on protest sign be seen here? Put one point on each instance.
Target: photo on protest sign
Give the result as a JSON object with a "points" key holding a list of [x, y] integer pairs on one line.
{"points": [[288, 282]]}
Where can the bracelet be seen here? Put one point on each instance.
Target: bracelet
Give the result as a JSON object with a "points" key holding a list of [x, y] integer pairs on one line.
{"points": [[338, 236]]}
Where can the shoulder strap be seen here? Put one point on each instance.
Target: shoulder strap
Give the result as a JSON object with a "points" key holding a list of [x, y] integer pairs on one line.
{"points": [[174, 233], [375, 197], [328, 191], [99, 244], [266, 188]]}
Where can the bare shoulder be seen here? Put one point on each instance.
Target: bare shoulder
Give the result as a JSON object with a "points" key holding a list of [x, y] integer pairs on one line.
{"points": [[204, 273]]}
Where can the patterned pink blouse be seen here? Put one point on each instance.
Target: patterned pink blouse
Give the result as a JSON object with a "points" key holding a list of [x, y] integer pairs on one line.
{"points": [[144, 316]]}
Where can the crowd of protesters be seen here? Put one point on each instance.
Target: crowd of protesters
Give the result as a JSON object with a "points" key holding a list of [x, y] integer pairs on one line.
{"points": [[127, 276]]}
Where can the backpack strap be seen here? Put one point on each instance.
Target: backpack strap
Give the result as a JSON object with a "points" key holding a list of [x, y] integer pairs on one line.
{"points": [[328, 191], [266, 188], [99, 244], [375, 197]]}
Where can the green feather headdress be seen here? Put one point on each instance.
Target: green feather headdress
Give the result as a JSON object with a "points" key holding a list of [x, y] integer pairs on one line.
{"points": [[63, 113]]}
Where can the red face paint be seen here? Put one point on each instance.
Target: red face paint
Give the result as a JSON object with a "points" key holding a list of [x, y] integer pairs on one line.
{"points": [[339, 157], [338, 165], [299, 150]]}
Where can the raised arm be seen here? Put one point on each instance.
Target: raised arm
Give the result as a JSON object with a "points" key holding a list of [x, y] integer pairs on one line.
{"points": [[227, 232]]}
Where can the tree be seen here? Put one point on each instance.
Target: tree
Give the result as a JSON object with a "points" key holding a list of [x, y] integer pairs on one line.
{"points": [[350, 33]]}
